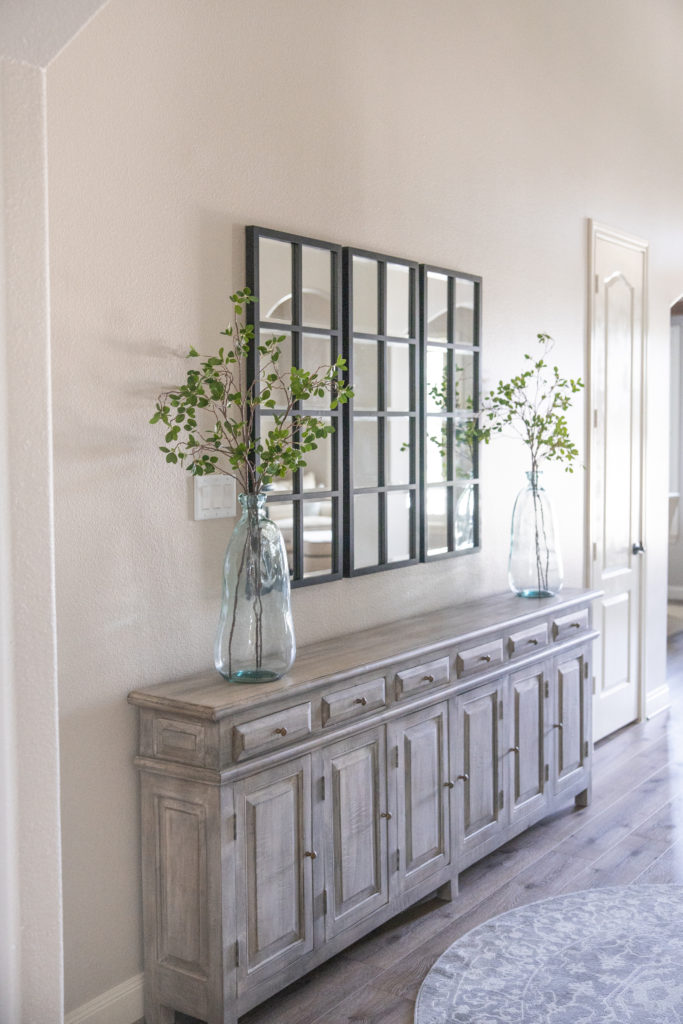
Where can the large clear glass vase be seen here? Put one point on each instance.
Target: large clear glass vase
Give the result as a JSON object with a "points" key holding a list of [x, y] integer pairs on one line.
{"points": [[255, 636], [535, 565]]}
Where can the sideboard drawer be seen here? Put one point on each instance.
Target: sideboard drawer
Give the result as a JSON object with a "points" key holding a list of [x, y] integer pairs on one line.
{"points": [[271, 731], [422, 676], [476, 659], [528, 640], [354, 701], [567, 626]]}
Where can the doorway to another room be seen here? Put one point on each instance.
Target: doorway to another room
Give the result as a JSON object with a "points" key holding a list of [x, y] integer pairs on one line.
{"points": [[674, 621]]}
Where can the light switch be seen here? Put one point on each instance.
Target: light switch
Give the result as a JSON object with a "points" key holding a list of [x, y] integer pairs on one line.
{"points": [[214, 497]]}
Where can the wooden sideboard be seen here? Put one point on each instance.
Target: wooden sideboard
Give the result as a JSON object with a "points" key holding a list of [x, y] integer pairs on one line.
{"points": [[282, 821]]}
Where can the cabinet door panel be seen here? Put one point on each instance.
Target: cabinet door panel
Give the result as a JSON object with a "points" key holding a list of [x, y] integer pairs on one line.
{"points": [[274, 880], [526, 754], [355, 834], [478, 761], [571, 727], [421, 744]]}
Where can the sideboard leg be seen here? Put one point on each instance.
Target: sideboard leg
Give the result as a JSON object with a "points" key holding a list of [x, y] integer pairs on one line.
{"points": [[447, 891], [583, 798]]}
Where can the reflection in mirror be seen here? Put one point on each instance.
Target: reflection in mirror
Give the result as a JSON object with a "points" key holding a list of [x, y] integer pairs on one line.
{"points": [[275, 279], [297, 282], [437, 520], [399, 377], [365, 452], [364, 375], [316, 287], [398, 300], [397, 449], [318, 547], [365, 295], [399, 526], [366, 541], [451, 321]]}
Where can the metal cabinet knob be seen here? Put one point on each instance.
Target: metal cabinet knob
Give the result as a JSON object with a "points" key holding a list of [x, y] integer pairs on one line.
{"points": [[427, 679], [361, 700], [558, 725], [465, 777], [310, 853], [532, 640], [385, 814], [513, 750], [485, 657], [575, 625], [281, 731], [449, 785]]}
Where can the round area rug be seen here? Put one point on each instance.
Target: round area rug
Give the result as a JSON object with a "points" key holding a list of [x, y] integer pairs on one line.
{"points": [[601, 956]]}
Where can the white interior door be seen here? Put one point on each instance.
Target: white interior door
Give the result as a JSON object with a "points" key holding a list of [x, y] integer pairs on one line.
{"points": [[618, 325]]}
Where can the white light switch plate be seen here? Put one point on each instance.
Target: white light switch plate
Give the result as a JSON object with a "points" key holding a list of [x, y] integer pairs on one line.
{"points": [[214, 497]]}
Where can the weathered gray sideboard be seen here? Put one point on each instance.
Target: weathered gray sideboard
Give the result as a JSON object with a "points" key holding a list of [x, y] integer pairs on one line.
{"points": [[282, 821]]}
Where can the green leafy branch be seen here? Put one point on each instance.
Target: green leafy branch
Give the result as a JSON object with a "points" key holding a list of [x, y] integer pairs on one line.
{"points": [[532, 405], [211, 418]]}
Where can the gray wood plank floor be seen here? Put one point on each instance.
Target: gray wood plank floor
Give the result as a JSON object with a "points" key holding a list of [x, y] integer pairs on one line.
{"points": [[631, 832]]}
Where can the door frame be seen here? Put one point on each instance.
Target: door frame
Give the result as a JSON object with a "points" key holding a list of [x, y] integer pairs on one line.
{"points": [[597, 231]]}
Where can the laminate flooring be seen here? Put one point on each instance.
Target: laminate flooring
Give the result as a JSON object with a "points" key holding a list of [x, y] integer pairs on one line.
{"points": [[631, 832]]}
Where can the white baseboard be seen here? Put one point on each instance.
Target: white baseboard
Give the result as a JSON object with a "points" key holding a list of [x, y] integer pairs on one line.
{"points": [[120, 1005], [675, 593]]}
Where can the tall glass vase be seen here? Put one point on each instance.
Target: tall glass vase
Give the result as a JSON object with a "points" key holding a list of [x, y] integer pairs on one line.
{"points": [[255, 636], [535, 565]]}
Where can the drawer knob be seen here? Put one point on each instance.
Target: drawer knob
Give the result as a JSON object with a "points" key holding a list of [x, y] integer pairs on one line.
{"points": [[485, 657], [449, 785], [575, 625], [464, 777], [558, 725], [513, 750], [427, 679], [532, 640], [310, 853], [386, 814], [281, 731], [361, 700]]}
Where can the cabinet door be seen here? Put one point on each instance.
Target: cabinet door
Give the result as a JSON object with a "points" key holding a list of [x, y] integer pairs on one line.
{"points": [[274, 875], [479, 782], [528, 792], [356, 875], [571, 723], [418, 748]]}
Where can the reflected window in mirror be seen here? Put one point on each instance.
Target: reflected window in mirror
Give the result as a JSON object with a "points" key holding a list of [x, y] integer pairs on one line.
{"points": [[450, 333], [297, 283], [382, 459]]}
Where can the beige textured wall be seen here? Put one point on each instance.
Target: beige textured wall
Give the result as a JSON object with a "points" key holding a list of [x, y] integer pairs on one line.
{"points": [[473, 135]]}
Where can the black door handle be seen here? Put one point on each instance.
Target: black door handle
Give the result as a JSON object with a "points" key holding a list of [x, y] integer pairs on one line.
{"points": [[638, 549]]}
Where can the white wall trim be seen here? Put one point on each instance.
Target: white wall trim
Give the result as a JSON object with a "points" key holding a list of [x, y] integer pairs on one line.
{"points": [[120, 1005], [657, 700]]}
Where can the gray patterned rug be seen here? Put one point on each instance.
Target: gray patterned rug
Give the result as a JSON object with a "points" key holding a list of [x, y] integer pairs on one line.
{"points": [[602, 956]]}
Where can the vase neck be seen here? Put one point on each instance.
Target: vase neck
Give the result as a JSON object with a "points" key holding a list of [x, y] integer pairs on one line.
{"points": [[250, 502], [534, 478]]}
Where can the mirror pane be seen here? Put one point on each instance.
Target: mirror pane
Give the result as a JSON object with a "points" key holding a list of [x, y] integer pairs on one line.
{"points": [[437, 307], [365, 530], [365, 319], [317, 537], [465, 511], [436, 379], [364, 374], [365, 452], [463, 450], [398, 301], [463, 373], [437, 520], [436, 449], [282, 365], [399, 376], [279, 486], [398, 442], [398, 525], [464, 312], [316, 351], [317, 475], [316, 282], [275, 280]]}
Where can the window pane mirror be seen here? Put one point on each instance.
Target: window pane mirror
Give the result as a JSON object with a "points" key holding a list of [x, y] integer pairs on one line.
{"points": [[382, 460], [297, 282], [450, 334]]}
